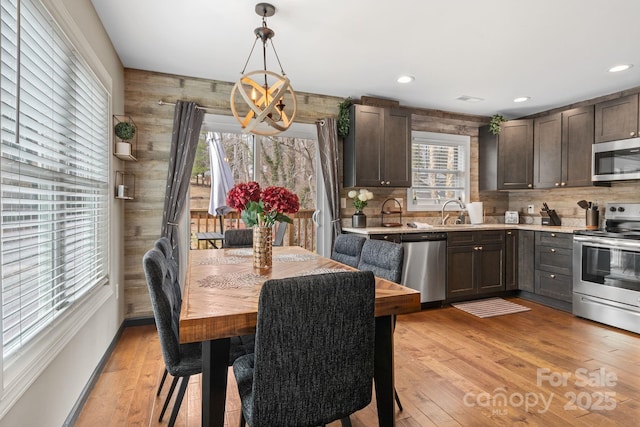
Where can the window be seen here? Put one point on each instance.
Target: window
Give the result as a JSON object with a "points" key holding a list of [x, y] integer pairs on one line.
{"points": [[54, 119], [440, 170]]}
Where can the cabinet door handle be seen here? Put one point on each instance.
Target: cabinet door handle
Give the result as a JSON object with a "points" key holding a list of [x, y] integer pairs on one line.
{"points": [[632, 134], [530, 186], [557, 184], [562, 184], [388, 183], [553, 234], [553, 276], [479, 248], [553, 250], [508, 233], [381, 182]]}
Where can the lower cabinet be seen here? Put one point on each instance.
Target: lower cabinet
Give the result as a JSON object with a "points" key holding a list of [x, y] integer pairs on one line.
{"points": [[475, 263], [553, 265]]}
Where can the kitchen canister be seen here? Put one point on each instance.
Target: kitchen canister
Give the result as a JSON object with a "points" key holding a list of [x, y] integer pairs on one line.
{"points": [[476, 212]]}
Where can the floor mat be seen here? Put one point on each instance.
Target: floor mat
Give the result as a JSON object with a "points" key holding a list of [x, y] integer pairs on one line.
{"points": [[490, 307]]}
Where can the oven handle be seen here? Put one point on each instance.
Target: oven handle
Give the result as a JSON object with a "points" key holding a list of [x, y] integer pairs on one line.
{"points": [[607, 242]]}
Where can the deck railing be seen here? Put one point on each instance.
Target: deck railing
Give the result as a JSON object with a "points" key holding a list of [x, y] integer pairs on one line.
{"points": [[300, 233]]}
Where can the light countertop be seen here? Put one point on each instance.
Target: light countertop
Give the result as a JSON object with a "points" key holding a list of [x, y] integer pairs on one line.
{"points": [[460, 227]]}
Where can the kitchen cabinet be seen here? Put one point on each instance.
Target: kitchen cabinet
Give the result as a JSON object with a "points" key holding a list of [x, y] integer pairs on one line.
{"points": [[562, 149], [617, 119], [553, 265], [377, 150], [511, 259], [475, 263], [526, 256], [515, 155]]}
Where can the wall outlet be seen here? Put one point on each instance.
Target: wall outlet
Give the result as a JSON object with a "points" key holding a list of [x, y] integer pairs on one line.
{"points": [[531, 209]]}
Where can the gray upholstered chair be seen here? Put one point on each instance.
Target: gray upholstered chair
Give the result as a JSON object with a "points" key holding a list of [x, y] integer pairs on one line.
{"points": [[314, 355], [238, 238], [347, 249], [385, 259], [181, 361]]}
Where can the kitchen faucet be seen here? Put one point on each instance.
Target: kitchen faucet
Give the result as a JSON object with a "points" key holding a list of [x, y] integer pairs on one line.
{"points": [[444, 205]]}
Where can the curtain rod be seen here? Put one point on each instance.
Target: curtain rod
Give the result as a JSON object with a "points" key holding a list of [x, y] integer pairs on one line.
{"points": [[161, 102]]}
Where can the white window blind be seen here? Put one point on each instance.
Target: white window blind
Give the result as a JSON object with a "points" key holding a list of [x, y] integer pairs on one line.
{"points": [[440, 170], [54, 174]]}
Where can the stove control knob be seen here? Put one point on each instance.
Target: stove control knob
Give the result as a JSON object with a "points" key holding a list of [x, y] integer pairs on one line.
{"points": [[620, 209], [612, 209]]}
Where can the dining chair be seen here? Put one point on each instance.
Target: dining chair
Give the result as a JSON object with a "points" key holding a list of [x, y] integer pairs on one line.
{"points": [[181, 360], [347, 249], [238, 238], [281, 230], [314, 354], [385, 260]]}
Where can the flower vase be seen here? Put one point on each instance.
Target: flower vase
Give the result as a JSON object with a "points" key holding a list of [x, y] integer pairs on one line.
{"points": [[262, 247], [359, 220]]}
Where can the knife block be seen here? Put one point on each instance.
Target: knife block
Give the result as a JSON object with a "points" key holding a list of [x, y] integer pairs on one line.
{"points": [[550, 217]]}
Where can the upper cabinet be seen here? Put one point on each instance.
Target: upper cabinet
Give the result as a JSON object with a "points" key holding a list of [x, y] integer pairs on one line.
{"points": [[515, 155], [562, 149], [377, 151], [617, 119]]}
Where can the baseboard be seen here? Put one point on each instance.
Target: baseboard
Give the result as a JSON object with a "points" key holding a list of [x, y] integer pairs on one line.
{"points": [[86, 391]]}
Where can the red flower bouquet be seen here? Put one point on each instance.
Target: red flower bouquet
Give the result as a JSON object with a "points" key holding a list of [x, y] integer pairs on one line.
{"points": [[262, 207]]}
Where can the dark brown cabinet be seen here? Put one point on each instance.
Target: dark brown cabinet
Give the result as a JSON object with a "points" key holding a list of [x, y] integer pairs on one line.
{"points": [[617, 119], [526, 266], [553, 265], [515, 155], [547, 151], [562, 149], [377, 151], [475, 263]]}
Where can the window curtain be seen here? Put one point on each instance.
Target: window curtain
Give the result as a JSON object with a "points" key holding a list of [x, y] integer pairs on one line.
{"points": [[187, 121], [328, 144]]}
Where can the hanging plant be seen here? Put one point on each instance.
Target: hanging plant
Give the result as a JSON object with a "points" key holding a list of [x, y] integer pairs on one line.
{"points": [[125, 130], [343, 118], [494, 124]]}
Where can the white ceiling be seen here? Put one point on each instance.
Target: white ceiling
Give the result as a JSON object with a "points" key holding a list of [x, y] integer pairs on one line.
{"points": [[554, 51]]}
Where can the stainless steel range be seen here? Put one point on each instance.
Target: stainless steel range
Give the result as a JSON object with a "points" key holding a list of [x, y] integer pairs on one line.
{"points": [[606, 265]]}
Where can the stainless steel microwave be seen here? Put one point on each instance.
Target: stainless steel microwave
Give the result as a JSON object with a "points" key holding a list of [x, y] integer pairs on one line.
{"points": [[616, 160]]}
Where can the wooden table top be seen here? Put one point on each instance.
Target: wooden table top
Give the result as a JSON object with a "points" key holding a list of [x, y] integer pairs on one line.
{"points": [[222, 288]]}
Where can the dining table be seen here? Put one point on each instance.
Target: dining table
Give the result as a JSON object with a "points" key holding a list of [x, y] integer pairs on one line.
{"points": [[220, 301]]}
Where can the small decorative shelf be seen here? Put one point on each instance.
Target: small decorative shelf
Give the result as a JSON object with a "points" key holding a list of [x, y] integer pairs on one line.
{"points": [[396, 210], [125, 188], [125, 135]]}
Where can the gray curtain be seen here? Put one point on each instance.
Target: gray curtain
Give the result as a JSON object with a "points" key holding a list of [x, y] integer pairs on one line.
{"points": [[328, 143], [187, 121]]}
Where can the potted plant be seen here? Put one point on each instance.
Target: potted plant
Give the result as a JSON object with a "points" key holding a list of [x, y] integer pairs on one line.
{"points": [[125, 131], [343, 118], [494, 124]]}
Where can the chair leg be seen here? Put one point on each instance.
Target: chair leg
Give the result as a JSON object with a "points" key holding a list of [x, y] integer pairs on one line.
{"points": [[164, 377], [166, 401], [179, 397], [243, 422], [346, 422], [395, 394]]}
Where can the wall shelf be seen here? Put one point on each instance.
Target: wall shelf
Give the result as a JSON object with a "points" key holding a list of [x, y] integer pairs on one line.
{"points": [[125, 149], [125, 185]]}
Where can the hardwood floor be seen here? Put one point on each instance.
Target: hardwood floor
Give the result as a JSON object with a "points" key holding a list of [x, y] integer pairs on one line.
{"points": [[537, 368]]}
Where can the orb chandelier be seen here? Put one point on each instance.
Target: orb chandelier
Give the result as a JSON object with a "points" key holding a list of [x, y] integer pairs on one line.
{"points": [[263, 102]]}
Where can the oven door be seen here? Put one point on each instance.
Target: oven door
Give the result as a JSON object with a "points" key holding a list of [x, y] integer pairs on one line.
{"points": [[607, 268]]}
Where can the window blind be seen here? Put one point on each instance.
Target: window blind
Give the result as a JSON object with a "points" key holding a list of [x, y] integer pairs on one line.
{"points": [[54, 174], [438, 171]]}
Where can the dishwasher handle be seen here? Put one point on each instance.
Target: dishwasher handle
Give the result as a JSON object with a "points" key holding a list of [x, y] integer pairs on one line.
{"points": [[424, 237]]}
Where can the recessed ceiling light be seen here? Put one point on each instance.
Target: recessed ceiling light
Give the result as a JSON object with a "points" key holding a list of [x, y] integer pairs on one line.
{"points": [[406, 79], [619, 68], [522, 99], [468, 98]]}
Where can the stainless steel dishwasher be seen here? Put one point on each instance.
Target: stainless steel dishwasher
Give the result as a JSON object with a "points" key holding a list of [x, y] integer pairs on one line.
{"points": [[425, 264]]}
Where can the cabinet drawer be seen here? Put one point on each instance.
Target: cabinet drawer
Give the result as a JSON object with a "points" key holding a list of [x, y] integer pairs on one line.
{"points": [[460, 238], [557, 286], [487, 237], [554, 260], [557, 240]]}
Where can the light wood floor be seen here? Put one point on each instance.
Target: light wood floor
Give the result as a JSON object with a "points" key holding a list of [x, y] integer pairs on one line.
{"points": [[452, 369]]}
